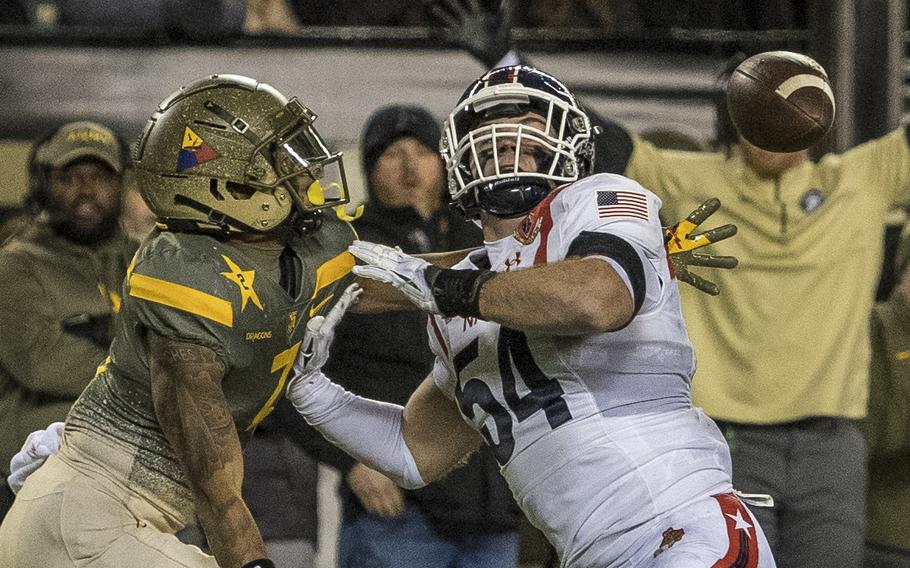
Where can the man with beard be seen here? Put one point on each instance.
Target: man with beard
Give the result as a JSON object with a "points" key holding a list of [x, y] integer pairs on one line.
{"points": [[60, 280]]}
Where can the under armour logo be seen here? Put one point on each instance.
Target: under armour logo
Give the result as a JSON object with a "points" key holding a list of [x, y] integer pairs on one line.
{"points": [[510, 262]]}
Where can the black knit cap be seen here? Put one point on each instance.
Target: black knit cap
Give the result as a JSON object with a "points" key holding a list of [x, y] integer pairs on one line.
{"points": [[391, 123]]}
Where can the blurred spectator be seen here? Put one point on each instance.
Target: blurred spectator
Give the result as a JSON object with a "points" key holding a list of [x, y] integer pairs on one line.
{"points": [[358, 12], [887, 427], [60, 280], [783, 353], [723, 14], [279, 487], [197, 21], [12, 13], [269, 16], [607, 15], [12, 220], [468, 519]]}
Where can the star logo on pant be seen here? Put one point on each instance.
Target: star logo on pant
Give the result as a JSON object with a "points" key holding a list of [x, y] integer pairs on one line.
{"points": [[741, 523]]}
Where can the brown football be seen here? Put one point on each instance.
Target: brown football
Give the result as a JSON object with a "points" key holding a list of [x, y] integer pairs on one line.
{"points": [[780, 101]]}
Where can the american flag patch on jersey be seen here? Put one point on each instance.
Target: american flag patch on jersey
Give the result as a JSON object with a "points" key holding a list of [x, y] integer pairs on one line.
{"points": [[622, 204]]}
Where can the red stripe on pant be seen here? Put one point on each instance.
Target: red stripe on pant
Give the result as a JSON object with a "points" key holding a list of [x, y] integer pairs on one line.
{"points": [[743, 549]]}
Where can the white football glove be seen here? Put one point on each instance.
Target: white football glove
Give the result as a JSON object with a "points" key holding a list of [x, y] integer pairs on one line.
{"points": [[314, 349], [39, 445], [404, 272]]}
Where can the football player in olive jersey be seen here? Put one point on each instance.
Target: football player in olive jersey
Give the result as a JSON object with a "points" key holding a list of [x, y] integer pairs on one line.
{"points": [[251, 244]]}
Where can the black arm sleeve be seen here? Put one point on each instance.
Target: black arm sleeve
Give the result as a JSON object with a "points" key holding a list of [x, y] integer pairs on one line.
{"points": [[604, 244]]}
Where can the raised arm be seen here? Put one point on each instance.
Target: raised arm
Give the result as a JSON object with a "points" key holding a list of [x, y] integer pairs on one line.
{"points": [[196, 419]]}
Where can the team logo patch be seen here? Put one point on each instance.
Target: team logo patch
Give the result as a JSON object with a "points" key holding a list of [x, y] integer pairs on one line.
{"points": [[528, 229], [811, 200], [622, 204], [671, 537], [193, 151], [244, 280]]}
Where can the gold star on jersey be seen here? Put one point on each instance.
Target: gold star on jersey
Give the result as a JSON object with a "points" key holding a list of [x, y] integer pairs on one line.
{"points": [[244, 280]]}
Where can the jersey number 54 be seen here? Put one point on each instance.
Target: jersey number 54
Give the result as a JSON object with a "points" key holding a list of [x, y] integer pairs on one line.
{"points": [[545, 393]]}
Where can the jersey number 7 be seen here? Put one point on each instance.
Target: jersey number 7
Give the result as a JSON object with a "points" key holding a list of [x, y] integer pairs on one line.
{"points": [[545, 393]]}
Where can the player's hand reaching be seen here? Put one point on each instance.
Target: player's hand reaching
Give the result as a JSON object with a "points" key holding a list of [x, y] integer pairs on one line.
{"points": [[314, 349], [406, 273], [682, 244], [482, 32], [39, 445], [377, 493]]}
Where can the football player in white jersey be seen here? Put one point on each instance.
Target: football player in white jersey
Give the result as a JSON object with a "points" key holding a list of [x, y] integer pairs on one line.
{"points": [[561, 342]]}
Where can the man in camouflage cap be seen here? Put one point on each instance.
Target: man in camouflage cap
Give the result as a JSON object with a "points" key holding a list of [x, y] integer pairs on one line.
{"points": [[60, 280]]}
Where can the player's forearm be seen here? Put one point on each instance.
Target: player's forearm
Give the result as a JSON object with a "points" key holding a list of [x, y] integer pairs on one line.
{"points": [[445, 259], [368, 430], [378, 297], [570, 297], [196, 419]]}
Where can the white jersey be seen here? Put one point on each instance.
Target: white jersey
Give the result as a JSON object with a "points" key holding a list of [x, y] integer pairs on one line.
{"points": [[595, 434]]}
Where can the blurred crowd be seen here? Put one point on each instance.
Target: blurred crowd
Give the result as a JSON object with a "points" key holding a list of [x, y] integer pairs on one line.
{"points": [[220, 18]]}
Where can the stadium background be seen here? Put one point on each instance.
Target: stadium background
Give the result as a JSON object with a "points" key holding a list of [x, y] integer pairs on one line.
{"points": [[114, 61]]}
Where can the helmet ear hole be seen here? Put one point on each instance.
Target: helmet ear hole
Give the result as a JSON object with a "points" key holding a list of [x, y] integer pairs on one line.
{"points": [[240, 191]]}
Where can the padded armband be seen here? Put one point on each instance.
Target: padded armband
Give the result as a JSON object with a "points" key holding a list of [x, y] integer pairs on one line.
{"points": [[457, 292]]}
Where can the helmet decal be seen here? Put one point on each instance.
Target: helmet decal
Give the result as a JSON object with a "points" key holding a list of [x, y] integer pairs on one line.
{"points": [[193, 151]]}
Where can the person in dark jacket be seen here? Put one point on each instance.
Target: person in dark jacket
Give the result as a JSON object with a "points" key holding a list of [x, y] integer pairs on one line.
{"points": [[469, 518], [887, 427]]}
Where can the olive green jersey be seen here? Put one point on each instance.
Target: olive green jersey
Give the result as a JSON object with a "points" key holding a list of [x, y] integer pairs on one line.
{"points": [[194, 288]]}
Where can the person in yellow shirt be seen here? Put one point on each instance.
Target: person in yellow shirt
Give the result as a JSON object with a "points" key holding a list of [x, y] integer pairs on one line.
{"points": [[783, 352]]}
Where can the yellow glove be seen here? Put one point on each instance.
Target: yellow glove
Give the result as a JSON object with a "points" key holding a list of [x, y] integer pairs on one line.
{"points": [[681, 246]]}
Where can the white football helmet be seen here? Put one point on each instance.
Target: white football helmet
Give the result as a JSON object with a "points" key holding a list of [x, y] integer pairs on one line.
{"points": [[516, 134]]}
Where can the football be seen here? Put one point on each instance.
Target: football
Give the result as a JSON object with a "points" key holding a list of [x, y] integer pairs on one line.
{"points": [[780, 101]]}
